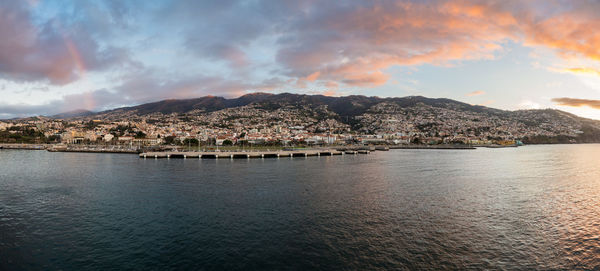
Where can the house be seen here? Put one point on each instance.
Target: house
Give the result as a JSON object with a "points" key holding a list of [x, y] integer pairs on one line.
{"points": [[125, 139], [108, 137], [73, 137]]}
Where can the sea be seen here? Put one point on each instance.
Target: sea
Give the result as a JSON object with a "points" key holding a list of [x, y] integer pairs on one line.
{"points": [[532, 207]]}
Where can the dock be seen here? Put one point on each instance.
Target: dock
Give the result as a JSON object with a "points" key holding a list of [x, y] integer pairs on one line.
{"points": [[240, 154]]}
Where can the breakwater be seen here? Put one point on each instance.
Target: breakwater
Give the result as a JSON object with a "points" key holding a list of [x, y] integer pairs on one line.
{"points": [[242, 155], [434, 147]]}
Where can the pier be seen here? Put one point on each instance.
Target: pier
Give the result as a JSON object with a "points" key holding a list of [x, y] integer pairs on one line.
{"points": [[240, 154]]}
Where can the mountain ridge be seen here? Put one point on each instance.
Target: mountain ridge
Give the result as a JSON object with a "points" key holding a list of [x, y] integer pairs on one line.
{"points": [[351, 105], [338, 104]]}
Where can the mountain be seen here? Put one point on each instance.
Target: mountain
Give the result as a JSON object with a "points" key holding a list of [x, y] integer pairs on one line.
{"points": [[73, 114], [207, 104], [344, 106], [414, 115]]}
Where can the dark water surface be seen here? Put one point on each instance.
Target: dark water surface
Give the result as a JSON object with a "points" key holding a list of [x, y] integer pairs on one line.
{"points": [[531, 207]]}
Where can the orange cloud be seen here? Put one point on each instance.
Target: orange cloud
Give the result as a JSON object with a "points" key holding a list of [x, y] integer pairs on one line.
{"points": [[367, 80], [572, 33], [476, 93], [370, 38], [332, 85], [313, 76], [577, 102], [590, 71]]}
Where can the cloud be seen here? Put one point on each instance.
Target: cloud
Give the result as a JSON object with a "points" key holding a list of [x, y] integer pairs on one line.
{"points": [[372, 79], [360, 40], [313, 76], [589, 71], [475, 93], [332, 85], [142, 87], [577, 102], [343, 41], [13, 110], [53, 51], [570, 29], [231, 47]]}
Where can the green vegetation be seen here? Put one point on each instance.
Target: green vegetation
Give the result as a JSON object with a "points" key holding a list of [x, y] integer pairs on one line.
{"points": [[24, 135], [540, 139], [140, 134], [190, 142]]}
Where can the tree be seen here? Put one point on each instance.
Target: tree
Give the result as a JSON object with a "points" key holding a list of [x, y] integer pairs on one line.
{"points": [[190, 141], [140, 134], [227, 142], [416, 140], [169, 140], [53, 138]]}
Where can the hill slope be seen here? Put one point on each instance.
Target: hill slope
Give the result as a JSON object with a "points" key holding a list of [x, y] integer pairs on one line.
{"points": [[415, 116]]}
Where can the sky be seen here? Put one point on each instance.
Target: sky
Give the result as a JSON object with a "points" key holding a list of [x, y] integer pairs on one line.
{"points": [[58, 56]]}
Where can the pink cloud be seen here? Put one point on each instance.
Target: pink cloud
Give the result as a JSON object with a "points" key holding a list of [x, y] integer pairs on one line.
{"points": [[367, 40], [346, 43], [476, 93], [372, 79], [313, 76], [332, 85], [54, 52]]}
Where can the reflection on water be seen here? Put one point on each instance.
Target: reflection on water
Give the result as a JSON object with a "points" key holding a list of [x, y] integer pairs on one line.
{"points": [[530, 207]]}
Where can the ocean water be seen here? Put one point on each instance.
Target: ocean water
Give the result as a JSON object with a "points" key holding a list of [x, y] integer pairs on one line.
{"points": [[534, 207]]}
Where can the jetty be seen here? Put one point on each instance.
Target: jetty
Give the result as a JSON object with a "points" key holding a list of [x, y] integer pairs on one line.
{"points": [[240, 154]]}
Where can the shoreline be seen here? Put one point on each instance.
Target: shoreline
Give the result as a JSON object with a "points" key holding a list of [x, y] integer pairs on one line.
{"points": [[349, 148]]}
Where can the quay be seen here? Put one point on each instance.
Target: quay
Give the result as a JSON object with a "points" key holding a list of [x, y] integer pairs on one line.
{"points": [[151, 152], [12, 146], [240, 154], [92, 149]]}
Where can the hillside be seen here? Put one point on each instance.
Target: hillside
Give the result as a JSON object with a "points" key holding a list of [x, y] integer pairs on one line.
{"points": [[344, 106], [414, 115]]}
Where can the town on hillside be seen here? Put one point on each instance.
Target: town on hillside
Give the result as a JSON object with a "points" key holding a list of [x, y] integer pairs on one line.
{"points": [[255, 125]]}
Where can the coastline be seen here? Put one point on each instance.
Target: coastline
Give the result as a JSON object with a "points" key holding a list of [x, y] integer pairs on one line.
{"points": [[347, 149]]}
